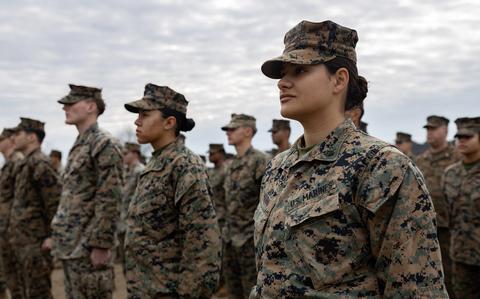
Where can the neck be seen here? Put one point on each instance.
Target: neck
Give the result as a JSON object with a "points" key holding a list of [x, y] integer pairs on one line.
{"points": [[318, 128], [471, 158], [242, 147], [30, 149], [283, 145], [7, 154], [440, 147], [219, 163], [82, 127], [162, 142]]}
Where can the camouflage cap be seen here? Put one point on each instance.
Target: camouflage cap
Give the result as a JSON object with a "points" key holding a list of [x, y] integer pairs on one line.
{"points": [[240, 120], [403, 137], [279, 124], [132, 147], [55, 153], [6, 133], [434, 121], [215, 147], [313, 43], [158, 97], [79, 93], [467, 126], [30, 124]]}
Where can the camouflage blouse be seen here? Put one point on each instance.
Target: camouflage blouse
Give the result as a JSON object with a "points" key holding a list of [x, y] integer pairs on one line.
{"points": [[349, 218], [173, 240]]}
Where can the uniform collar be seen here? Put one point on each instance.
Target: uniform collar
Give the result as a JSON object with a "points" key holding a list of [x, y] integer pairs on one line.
{"points": [[328, 150]]}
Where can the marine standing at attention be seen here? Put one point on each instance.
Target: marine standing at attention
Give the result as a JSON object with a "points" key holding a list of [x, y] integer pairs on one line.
{"points": [[341, 214], [172, 245]]}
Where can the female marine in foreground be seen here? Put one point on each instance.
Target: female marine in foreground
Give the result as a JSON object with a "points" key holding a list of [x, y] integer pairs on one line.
{"points": [[341, 214]]}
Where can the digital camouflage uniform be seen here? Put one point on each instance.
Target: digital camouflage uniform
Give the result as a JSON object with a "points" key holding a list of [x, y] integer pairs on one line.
{"points": [[131, 176], [349, 217], [37, 190], [405, 138], [89, 207], [242, 187], [173, 239], [433, 165], [461, 185], [278, 124], [216, 176], [10, 268]]}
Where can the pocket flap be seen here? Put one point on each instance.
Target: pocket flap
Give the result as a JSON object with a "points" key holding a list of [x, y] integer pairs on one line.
{"points": [[315, 208]]}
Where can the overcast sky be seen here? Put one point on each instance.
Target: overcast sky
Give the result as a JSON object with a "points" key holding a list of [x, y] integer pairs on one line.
{"points": [[420, 58]]}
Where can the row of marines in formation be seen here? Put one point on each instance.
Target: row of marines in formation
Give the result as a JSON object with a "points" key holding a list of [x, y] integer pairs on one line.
{"points": [[339, 214], [78, 207]]}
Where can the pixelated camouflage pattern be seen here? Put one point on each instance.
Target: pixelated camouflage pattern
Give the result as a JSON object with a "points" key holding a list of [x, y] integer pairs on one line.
{"points": [[462, 190], [29, 124], [279, 124], [240, 120], [173, 240], [159, 97], [217, 178], [434, 121], [466, 280], [131, 180], [313, 43], [433, 165], [467, 125], [242, 187], [83, 281], [92, 192], [78, 93], [349, 218], [37, 192], [10, 269]]}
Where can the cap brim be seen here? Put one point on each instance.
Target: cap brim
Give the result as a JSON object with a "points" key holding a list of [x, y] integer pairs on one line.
{"points": [[68, 100], [465, 132], [430, 126], [229, 126], [273, 68], [142, 104]]}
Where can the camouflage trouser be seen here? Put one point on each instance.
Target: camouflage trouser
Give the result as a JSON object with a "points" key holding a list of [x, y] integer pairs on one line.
{"points": [[12, 271], [240, 271], [466, 281], [444, 240], [83, 281], [35, 267]]}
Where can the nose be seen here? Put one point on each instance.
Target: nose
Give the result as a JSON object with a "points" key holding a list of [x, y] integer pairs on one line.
{"points": [[284, 84], [137, 121]]}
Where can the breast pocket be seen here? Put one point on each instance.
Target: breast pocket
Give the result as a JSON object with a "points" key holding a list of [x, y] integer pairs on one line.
{"points": [[319, 238]]}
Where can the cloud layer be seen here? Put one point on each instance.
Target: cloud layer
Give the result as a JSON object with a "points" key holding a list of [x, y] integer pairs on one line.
{"points": [[419, 58]]}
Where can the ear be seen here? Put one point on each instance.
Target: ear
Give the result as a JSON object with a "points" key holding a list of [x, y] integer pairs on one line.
{"points": [[91, 107], [341, 79], [170, 123]]}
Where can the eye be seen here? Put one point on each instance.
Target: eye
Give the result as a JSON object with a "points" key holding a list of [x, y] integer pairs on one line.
{"points": [[299, 69]]}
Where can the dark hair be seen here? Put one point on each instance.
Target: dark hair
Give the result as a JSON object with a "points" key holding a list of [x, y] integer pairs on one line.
{"points": [[39, 133], [357, 85], [57, 154], [100, 105], [183, 123]]}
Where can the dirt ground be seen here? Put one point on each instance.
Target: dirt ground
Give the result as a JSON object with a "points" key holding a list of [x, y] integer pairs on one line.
{"points": [[120, 286]]}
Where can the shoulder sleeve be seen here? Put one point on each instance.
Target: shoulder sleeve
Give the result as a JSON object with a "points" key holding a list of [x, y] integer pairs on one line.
{"points": [[201, 253], [400, 218], [49, 187]]}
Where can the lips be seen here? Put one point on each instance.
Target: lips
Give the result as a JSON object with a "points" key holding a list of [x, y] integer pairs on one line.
{"points": [[286, 97]]}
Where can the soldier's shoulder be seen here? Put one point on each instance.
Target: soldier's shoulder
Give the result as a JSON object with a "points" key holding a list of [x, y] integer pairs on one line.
{"points": [[100, 139], [453, 169], [259, 155]]}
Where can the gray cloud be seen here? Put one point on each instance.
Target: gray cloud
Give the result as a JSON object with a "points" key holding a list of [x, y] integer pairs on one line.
{"points": [[420, 58]]}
